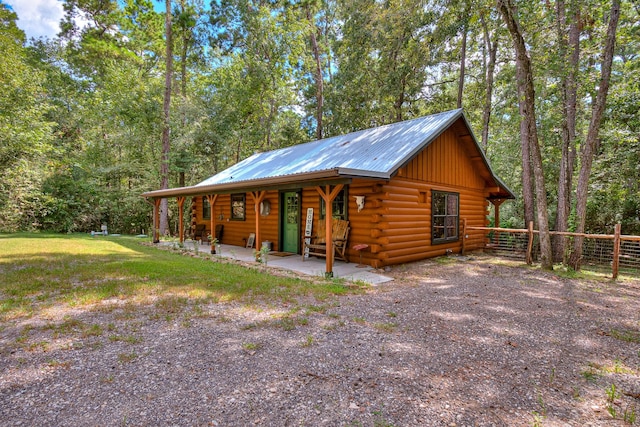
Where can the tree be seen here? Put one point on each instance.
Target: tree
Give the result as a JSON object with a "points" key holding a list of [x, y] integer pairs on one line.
{"points": [[589, 147], [528, 129], [25, 131], [463, 50], [166, 118], [317, 71], [490, 50], [382, 59], [255, 83], [569, 54]]}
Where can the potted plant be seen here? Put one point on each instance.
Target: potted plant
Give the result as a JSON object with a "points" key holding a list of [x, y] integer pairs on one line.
{"points": [[215, 245]]}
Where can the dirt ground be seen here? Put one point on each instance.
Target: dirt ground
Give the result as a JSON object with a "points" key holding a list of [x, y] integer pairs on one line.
{"points": [[460, 341]]}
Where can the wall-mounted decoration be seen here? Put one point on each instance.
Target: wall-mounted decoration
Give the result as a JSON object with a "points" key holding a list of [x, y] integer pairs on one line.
{"points": [[265, 208]]}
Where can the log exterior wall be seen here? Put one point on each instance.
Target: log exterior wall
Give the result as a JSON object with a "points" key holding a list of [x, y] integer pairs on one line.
{"points": [[396, 219], [235, 231]]}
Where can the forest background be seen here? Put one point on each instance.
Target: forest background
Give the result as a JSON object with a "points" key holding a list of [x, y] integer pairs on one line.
{"points": [[82, 117]]}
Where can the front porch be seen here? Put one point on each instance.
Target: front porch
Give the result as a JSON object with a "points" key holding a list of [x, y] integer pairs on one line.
{"points": [[311, 266]]}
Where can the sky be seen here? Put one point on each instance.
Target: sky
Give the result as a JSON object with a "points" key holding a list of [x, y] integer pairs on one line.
{"points": [[38, 18], [41, 18]]}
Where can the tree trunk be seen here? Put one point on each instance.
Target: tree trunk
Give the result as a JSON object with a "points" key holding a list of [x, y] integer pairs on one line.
{"points": [[166, 130], [587, 153], [463, 59], [570, 99], [183, 80], [526, 94], [527, 174], [492, 48], [317, 74], [399, 102]]}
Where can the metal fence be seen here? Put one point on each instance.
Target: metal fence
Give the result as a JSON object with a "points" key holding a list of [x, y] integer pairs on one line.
{"points": [[615, 252]]}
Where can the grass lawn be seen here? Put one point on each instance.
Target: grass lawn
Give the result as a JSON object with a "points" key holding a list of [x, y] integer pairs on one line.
{"points": [[38, 271]]}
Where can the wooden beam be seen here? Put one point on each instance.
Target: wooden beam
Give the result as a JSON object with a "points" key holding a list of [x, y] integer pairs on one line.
{"points": [[464, 235], [530, 244], [615, 265], [329, 196], [180, 200], [496, 216], [212, 202], [258, 197], [156, 220]]}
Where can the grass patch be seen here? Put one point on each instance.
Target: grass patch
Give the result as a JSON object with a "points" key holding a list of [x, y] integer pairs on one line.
{"points": [[127, 357], [44, 270], [129, 339], [286, 323], [308, 341], [597, 370], [250, 347], [315, 309], [92, 331], [445, 260], [626, 335], [386, 327]]}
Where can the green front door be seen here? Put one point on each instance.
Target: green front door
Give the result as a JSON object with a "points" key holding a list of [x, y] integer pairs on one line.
{"points": [[290, 222]]}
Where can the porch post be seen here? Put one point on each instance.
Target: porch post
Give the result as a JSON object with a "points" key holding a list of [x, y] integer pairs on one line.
{"points": [[156, 220], [329, 196], [258, 197], [496, 216], [212, 201], [180, 200]]}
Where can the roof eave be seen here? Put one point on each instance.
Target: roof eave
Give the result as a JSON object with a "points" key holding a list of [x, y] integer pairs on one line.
{"points": [[361, 173], [308, 178]]}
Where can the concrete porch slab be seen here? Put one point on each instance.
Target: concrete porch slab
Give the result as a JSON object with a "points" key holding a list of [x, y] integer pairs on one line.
{"points": [[311, 266]]}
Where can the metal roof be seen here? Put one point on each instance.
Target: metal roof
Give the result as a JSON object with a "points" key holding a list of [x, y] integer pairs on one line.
{"points": [[371, 153], [375, 152]]}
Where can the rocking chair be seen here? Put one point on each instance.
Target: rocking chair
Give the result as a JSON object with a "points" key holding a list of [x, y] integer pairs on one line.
{"points": [[317, 245]]}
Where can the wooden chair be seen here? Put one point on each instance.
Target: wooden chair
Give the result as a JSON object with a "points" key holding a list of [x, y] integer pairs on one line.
{"points": [[218, 234], [200, 233], [318, 246]]}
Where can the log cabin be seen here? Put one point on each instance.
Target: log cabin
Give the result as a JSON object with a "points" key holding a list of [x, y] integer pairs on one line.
{"points": [[407, 189]]}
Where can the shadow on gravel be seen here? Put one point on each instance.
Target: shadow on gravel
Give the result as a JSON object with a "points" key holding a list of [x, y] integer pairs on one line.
{"points": [[469, 343]]}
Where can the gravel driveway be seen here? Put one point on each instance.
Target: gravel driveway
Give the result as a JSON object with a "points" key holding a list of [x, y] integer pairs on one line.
{"points": [[454, 342]]}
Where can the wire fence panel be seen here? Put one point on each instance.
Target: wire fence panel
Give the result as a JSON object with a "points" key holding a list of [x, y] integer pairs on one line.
{"points": [[508, 244], [630, 256], [597, 250]]}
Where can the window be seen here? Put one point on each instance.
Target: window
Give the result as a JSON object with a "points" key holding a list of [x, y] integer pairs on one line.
{"points": [[339, 206], [237, 207], [206, 208], [444, 217]]}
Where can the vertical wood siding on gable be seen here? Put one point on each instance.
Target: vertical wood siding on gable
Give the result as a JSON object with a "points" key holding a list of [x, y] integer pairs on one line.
{"points": [[444, 161]]}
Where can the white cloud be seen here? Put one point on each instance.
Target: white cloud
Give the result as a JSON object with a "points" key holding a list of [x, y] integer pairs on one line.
{"points": [[38, 18]]}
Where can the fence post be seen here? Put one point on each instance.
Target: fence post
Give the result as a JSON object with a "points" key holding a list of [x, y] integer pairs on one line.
{"points": [[530, 244], [616, 251], [464, 234]]}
